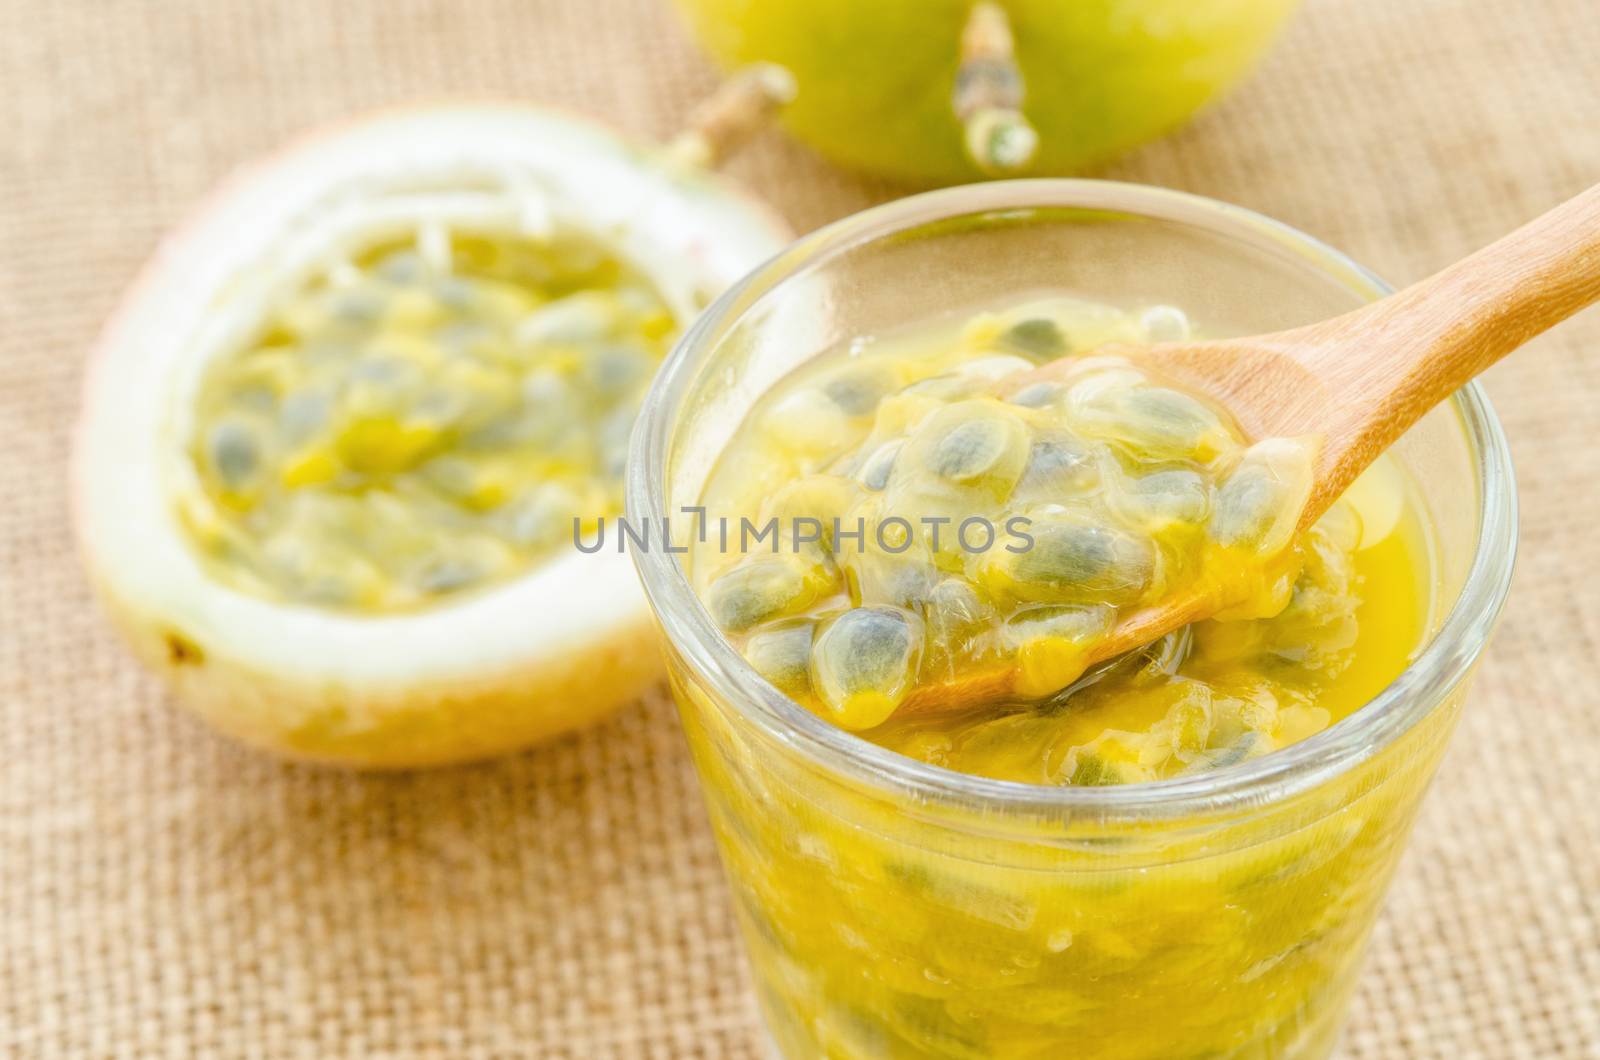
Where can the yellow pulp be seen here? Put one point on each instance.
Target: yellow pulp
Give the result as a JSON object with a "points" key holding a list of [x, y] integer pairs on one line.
{"points": [[884, 926], [1098, 490], [426, 418]]}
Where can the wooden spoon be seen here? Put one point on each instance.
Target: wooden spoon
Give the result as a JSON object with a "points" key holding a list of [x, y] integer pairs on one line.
{"points": [[1358, 381]]}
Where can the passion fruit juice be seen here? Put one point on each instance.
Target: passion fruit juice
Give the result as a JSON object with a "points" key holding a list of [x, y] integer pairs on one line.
{"points": [[884, 927]]}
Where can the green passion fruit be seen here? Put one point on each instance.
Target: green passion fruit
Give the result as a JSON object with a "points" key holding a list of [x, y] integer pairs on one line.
{"points": [[948, 90]]}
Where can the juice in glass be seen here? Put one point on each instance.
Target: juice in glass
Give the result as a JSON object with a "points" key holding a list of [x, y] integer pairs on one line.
{"points": [[1184, 856]]}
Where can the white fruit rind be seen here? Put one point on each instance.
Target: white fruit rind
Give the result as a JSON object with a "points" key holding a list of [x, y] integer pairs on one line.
{"points": [[495, 670]]}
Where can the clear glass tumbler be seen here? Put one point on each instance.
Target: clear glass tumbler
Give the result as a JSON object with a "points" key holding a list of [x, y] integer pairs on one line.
{"points": [[894, 909]]}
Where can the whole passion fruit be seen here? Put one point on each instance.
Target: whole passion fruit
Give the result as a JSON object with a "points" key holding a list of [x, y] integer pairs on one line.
{"points": [[337, 441], [947, 90]]}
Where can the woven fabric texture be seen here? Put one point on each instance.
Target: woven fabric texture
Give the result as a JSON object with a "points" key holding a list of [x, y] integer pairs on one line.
{"points": [[165, 893]]}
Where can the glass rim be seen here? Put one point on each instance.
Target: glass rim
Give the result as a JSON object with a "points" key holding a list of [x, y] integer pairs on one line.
{"points": [[1444, 661]]}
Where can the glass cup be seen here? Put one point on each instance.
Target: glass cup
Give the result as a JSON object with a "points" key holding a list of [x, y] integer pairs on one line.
{"points": [[895, 909]]}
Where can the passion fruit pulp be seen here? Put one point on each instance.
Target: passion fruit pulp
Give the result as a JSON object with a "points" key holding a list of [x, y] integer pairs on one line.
{"points": [[331, 439]]}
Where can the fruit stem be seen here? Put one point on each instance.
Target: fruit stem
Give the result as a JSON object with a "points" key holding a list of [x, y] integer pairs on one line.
{"points": [[732, 114], [988, 95]]}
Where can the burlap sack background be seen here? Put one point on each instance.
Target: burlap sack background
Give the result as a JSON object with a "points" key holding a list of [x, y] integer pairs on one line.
{"points": [[163, 893]]}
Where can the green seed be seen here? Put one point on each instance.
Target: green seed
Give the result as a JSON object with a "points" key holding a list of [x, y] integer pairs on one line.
{"points": [[968, 451], [757, 590], [972, 445], [782, 654], [877, 577], [1156, 423], [1037, 336], [234, 453], [1247, 504], [1091, 770], [1059, 468], [874, 473], [864, 661], [857, 393], [1164, 499], [1259, 502], [1073, 561]]}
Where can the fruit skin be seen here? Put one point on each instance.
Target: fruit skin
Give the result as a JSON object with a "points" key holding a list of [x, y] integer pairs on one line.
{"points": [[395, 725], [542, 654], [875, 78]]}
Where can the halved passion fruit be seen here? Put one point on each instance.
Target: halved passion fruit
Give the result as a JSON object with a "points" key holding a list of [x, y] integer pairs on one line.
{"points": [[334, 443]]}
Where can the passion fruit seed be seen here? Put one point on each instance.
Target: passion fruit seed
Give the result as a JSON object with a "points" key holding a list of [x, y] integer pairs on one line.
{"points": [[1038, 337], [864, 663], [1157, 423], [759, 589], [1059, 468], [782, 654], [1076, 561], [235, 454], [902, 579], [857, 393], [1052, 645], [1260, 500], [969, 450], [1090, 770], [1163, 501], [874, 474], [972, 445], [958, 619]]}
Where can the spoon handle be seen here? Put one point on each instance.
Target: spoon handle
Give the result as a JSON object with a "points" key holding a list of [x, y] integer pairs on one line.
{"points": [[1386, 364]]}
